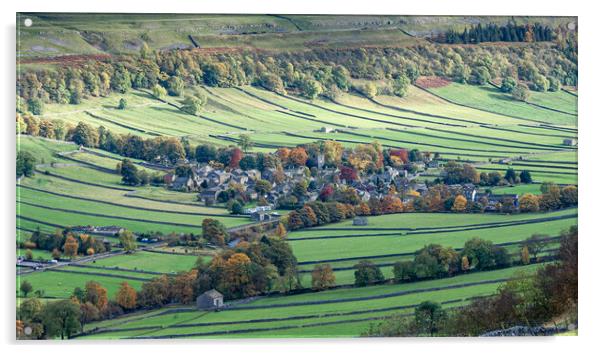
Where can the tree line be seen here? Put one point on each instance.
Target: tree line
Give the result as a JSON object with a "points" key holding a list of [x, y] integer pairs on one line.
{"points": [[510, 32], [307, 73], [523, 301]]}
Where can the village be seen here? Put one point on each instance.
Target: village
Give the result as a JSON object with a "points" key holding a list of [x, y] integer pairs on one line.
{"points": [[265, 191]]}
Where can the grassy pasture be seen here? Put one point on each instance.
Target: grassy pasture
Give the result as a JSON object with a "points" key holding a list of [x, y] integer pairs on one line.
{"points": [[148, 261], [61, 284], [491, 99], [215, 321]]}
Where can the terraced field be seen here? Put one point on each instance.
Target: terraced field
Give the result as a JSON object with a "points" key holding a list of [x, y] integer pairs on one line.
{"points": [[342, 312], [84, 191], [392, 238]]}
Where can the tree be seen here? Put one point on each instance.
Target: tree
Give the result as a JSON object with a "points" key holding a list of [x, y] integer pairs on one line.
{"points": [[298, 156], [521, 92], [175, 86], [129, 173], [96, 294], [126, 296], [35, 106], [88, 313], [528, 203], [465, 263], [404, 271], [244, 142], [369, 90], [508, 84], [569, 196], [85, 135], [127, 241], [205, 153], [536, 243], [429, 317], [322, 277], [61, 318], [193, 105], [401, 85], [123, 104], [367, 273], [215, 232], [459, 204], [25, 164], [25, 288], [71, 246], [510, 176], [263, 187], [524, 255], [525, 177], [56, 254], [280, 231], [159, 91]]}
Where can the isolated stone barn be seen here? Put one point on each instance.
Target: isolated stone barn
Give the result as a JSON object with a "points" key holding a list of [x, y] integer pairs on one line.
{"points": [[210, 300]]}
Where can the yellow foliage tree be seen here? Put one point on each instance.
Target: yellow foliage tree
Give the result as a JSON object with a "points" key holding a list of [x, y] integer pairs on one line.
{"points": [[459, 204]]}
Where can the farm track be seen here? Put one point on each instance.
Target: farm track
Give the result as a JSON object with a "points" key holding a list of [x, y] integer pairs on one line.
{"points": [[84, 213], [129, 206]]}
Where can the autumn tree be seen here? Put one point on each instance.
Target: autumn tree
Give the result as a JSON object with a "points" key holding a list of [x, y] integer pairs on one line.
{"points": [[280, 230], [322, 277], [298, 156], [88, 313], [126, 296], [459, 204], [524, 255], [465, 264], [182, 288], [71, 246], [96, 294], [528, 203]]}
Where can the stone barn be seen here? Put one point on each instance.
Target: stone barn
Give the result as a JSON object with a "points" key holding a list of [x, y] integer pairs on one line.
{"points": [[360, 221], [210, 300]]}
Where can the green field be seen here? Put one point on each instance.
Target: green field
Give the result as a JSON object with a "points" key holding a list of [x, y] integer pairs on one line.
{"points": [[285, 308], [491, 99]]}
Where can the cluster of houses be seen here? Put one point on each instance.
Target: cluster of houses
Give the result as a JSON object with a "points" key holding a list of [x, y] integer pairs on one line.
{"points": [[209, 182]]}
